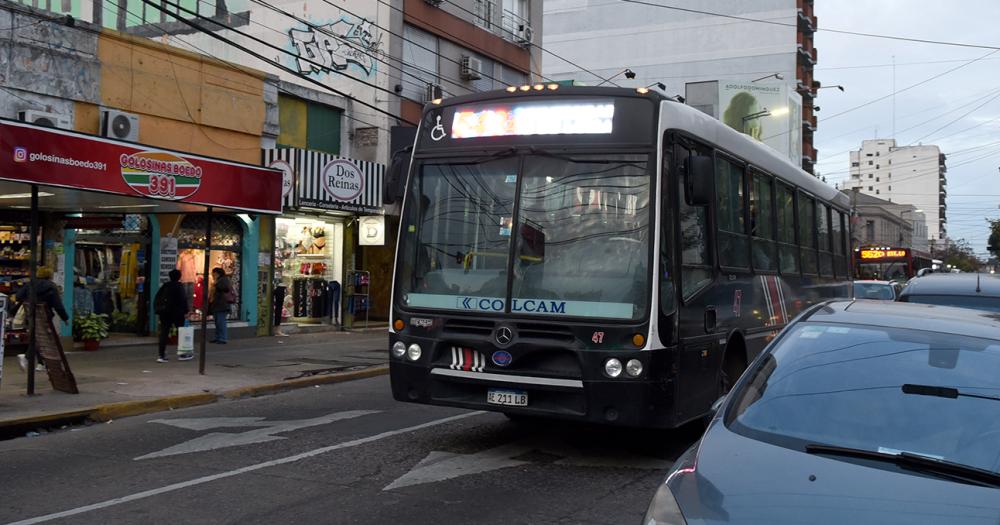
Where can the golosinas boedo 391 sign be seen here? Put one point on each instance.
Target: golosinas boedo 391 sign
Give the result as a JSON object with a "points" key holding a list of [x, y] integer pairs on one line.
{"points": [[72, 160]]}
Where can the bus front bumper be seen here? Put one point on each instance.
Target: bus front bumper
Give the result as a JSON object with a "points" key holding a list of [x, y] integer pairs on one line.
{"points": [[624, 402]]}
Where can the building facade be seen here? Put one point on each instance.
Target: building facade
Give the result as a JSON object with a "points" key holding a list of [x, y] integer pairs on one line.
{"points": [[676, 47], [76, 76], [913, 175]]}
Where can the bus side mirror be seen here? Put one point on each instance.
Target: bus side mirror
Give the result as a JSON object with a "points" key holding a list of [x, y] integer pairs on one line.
{"points": [[698, 177], [394, 183]]}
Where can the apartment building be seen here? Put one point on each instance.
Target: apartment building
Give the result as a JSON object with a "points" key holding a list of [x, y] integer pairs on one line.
{"points": [[913, 175]]}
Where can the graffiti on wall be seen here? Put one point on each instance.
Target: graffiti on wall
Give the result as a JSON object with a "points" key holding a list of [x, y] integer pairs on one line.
{"points": [[336, 47]]}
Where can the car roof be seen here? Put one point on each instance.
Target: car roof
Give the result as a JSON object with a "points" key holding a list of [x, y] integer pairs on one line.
{"points": [[954, 284], [908, 316]]}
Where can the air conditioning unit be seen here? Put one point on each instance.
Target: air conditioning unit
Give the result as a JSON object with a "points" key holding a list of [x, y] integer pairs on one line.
{"points": [[524, 34], [41, 118], [472, 68], [119, 125], [433, 92]]}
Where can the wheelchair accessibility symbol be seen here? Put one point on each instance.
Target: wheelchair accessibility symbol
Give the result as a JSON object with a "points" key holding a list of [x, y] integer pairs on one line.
{"points": [[437, 132]]}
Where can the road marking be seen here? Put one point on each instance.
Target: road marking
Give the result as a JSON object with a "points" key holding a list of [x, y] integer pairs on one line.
{"points": [[441, 466], [217, 440], [223, 475]]}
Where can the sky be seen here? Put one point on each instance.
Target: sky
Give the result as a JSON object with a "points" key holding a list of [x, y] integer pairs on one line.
{"points": [[958, 111]]}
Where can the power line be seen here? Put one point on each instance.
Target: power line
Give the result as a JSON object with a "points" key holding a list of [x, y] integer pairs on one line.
{"points": [[219, 61], [828, 30], [960, 117], [265, 59], [570, 62]]}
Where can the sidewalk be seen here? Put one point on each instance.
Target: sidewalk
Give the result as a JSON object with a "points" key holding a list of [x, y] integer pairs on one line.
{"points": [[127, 380]]}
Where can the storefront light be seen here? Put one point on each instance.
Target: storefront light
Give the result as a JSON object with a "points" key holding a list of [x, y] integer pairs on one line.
{"points": [[25, 195]]}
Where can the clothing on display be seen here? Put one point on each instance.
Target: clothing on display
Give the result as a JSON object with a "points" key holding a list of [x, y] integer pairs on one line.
{"points": [[305, 263]]}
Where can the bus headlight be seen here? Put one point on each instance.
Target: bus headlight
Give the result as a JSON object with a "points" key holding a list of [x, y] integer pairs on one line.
{"points": [[633, 368], [398, 349], [613, 367], [413, 352]]}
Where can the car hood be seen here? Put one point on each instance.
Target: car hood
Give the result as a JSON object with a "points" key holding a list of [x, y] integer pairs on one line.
{"points": [[741, 480]]}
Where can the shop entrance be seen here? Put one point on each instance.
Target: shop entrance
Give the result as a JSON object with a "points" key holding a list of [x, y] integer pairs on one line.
{"points": [[110, 266], [307, 263], [226, 245]]}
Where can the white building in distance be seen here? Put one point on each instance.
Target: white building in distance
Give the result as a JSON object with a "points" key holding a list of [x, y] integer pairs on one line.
{"points": [[691, 41], [904, 175]]}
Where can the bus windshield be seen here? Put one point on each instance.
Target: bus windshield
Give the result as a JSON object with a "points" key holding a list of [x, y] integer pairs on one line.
{"points": [[578, 246]]}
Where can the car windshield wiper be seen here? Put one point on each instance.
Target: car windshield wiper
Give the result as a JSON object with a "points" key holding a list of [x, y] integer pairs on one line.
{"points": [[942, 391], [917, 462]]}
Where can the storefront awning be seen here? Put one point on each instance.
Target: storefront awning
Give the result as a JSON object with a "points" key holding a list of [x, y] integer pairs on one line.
{"points": [[77, 172]]}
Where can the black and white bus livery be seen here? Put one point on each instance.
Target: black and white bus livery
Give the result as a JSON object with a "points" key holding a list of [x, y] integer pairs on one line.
{"points": [[598, 254]]}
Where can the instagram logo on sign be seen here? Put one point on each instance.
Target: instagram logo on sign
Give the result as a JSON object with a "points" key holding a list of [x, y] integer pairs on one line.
{"points": [[20, 154]]}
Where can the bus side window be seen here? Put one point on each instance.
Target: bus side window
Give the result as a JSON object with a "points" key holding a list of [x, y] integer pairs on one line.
{"points": [[730, 208], [788, 252], [666, 277], [765, 256], [807, 233], [696, 266]]}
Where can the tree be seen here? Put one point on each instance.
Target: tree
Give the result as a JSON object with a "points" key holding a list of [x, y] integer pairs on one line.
{"points": [[993, 244], [959, 254]]}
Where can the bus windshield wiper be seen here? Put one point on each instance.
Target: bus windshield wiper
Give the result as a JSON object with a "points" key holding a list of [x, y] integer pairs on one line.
{"points": [[942, 391], [913, 461]]}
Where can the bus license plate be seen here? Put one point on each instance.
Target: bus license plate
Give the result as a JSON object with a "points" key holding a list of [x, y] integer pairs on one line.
{"points": [[514, 398]]}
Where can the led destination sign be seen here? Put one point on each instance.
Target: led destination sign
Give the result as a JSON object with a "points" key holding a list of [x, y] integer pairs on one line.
{"points": [[870, 254], [533, 118]]}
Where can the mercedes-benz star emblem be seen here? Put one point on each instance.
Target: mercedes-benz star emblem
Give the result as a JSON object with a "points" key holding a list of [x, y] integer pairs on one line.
{"points": [[504, 336]]}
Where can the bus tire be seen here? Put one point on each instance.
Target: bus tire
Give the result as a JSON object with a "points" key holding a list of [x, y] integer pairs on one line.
{"points": [[734, 363]]}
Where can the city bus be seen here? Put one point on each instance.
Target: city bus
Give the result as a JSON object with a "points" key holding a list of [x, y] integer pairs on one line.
{"points": [[597, 254]]}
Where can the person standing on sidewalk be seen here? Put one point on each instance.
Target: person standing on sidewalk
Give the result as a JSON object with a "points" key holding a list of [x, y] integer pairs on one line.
{"points": [[220, 297], [171, 306]]}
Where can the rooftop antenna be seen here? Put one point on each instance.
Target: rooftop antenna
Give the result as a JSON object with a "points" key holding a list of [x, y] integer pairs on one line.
{"points": [[894, 96]]}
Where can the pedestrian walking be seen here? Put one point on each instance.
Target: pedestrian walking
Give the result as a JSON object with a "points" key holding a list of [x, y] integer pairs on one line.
{"points": [[45, 293], [220, 297], [171, 306]]}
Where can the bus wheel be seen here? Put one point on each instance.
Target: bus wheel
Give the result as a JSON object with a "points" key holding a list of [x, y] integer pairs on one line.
{"points": [[733, 365]]}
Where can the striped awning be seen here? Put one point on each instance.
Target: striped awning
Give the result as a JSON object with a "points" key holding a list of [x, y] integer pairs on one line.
{"points": [[328, 182]]}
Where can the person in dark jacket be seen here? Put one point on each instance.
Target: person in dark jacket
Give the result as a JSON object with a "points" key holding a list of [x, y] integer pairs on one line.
{"points": [[46, 293], [171, 306], [218, 304]]}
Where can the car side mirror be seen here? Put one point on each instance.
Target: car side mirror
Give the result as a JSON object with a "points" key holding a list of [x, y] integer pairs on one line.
{"points": [[699, 176], [394, 183], [716, 407]]}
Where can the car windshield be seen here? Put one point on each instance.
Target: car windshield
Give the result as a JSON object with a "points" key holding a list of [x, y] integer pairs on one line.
{"points": [[842, 385], [580, 241], [990, 304], [877, 291]]}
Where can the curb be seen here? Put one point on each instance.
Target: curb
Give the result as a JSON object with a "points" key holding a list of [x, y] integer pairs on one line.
{"points": [[111, 411]]}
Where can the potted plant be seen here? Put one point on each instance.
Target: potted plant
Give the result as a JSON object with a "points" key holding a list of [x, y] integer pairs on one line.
{"points": [[93, 328]]}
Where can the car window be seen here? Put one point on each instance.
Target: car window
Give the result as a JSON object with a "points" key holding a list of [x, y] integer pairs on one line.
{"points": [[990, 304], [878, 291], [842, 385]]}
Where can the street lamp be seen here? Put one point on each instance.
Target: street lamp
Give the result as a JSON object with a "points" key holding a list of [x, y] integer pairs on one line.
{"points": [[629, 74], [838, 86], [759, 114], [661, 85], [778, 76]]}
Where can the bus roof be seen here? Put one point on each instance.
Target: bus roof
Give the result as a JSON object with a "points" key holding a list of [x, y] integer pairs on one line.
{"points": [[686, 118]]}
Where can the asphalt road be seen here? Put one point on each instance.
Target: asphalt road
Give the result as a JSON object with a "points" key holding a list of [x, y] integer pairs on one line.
{"points": [[344, 453]]}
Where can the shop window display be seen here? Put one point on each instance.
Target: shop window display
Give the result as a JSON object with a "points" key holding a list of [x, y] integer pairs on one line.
{"points": [[305, 271], [227, 241], [109, 269]]}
